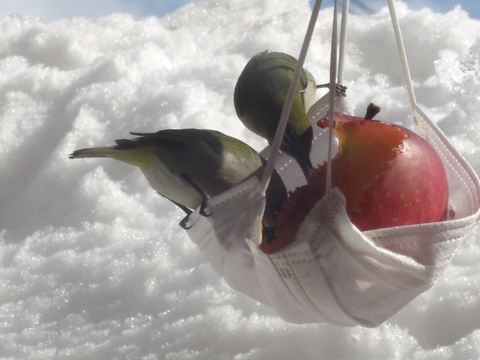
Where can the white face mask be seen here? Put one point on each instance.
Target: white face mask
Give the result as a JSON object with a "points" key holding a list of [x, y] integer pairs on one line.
{"points": [[336, 273]]}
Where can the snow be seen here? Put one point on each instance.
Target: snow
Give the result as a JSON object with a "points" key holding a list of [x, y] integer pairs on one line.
{"points": [[93, 264]]}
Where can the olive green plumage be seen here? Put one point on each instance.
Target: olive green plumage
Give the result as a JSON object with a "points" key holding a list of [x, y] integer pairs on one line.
{"points": [[259, 98], [189, 166]]}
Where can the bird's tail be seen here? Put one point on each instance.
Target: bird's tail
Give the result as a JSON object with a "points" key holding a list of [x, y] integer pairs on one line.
{"points": [[97, 152], [137, 156]]}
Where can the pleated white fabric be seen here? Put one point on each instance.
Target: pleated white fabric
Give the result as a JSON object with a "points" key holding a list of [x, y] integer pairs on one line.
{"points": [[334, 273]]}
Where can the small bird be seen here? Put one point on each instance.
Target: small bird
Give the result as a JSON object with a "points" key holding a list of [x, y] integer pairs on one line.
{"points": [[259, 98], [189, 166]]}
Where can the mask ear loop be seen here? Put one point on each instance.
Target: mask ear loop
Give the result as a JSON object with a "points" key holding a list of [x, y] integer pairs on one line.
{"points": [[289, 99], [420, 119], [331, 100], [403, 56], [343, 40]]}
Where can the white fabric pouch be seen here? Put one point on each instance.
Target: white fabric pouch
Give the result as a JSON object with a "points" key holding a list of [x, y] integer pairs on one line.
{"points": [[334, 273]]}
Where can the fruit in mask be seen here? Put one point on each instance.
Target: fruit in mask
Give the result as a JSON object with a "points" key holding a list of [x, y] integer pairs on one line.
{"points": [[389, 176]]}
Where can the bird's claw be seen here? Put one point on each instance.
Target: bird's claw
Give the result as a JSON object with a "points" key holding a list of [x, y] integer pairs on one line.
{"points": [[339, 89], [203, 212], [183, 223]]}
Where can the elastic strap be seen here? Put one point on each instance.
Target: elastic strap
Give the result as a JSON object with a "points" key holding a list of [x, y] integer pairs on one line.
{"points": [[402, 53], [289, 99], [343, 40], [331, 99]]}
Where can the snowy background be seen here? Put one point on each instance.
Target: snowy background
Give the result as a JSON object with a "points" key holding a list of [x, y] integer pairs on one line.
{"points": [[58, 9], [92, 262]]}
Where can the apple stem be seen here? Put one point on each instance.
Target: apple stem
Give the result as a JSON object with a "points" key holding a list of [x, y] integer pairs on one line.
{"points": [[372, 111]]}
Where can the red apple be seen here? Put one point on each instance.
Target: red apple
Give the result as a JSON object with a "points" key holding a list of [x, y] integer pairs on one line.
{"points": [[389, 176]]}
